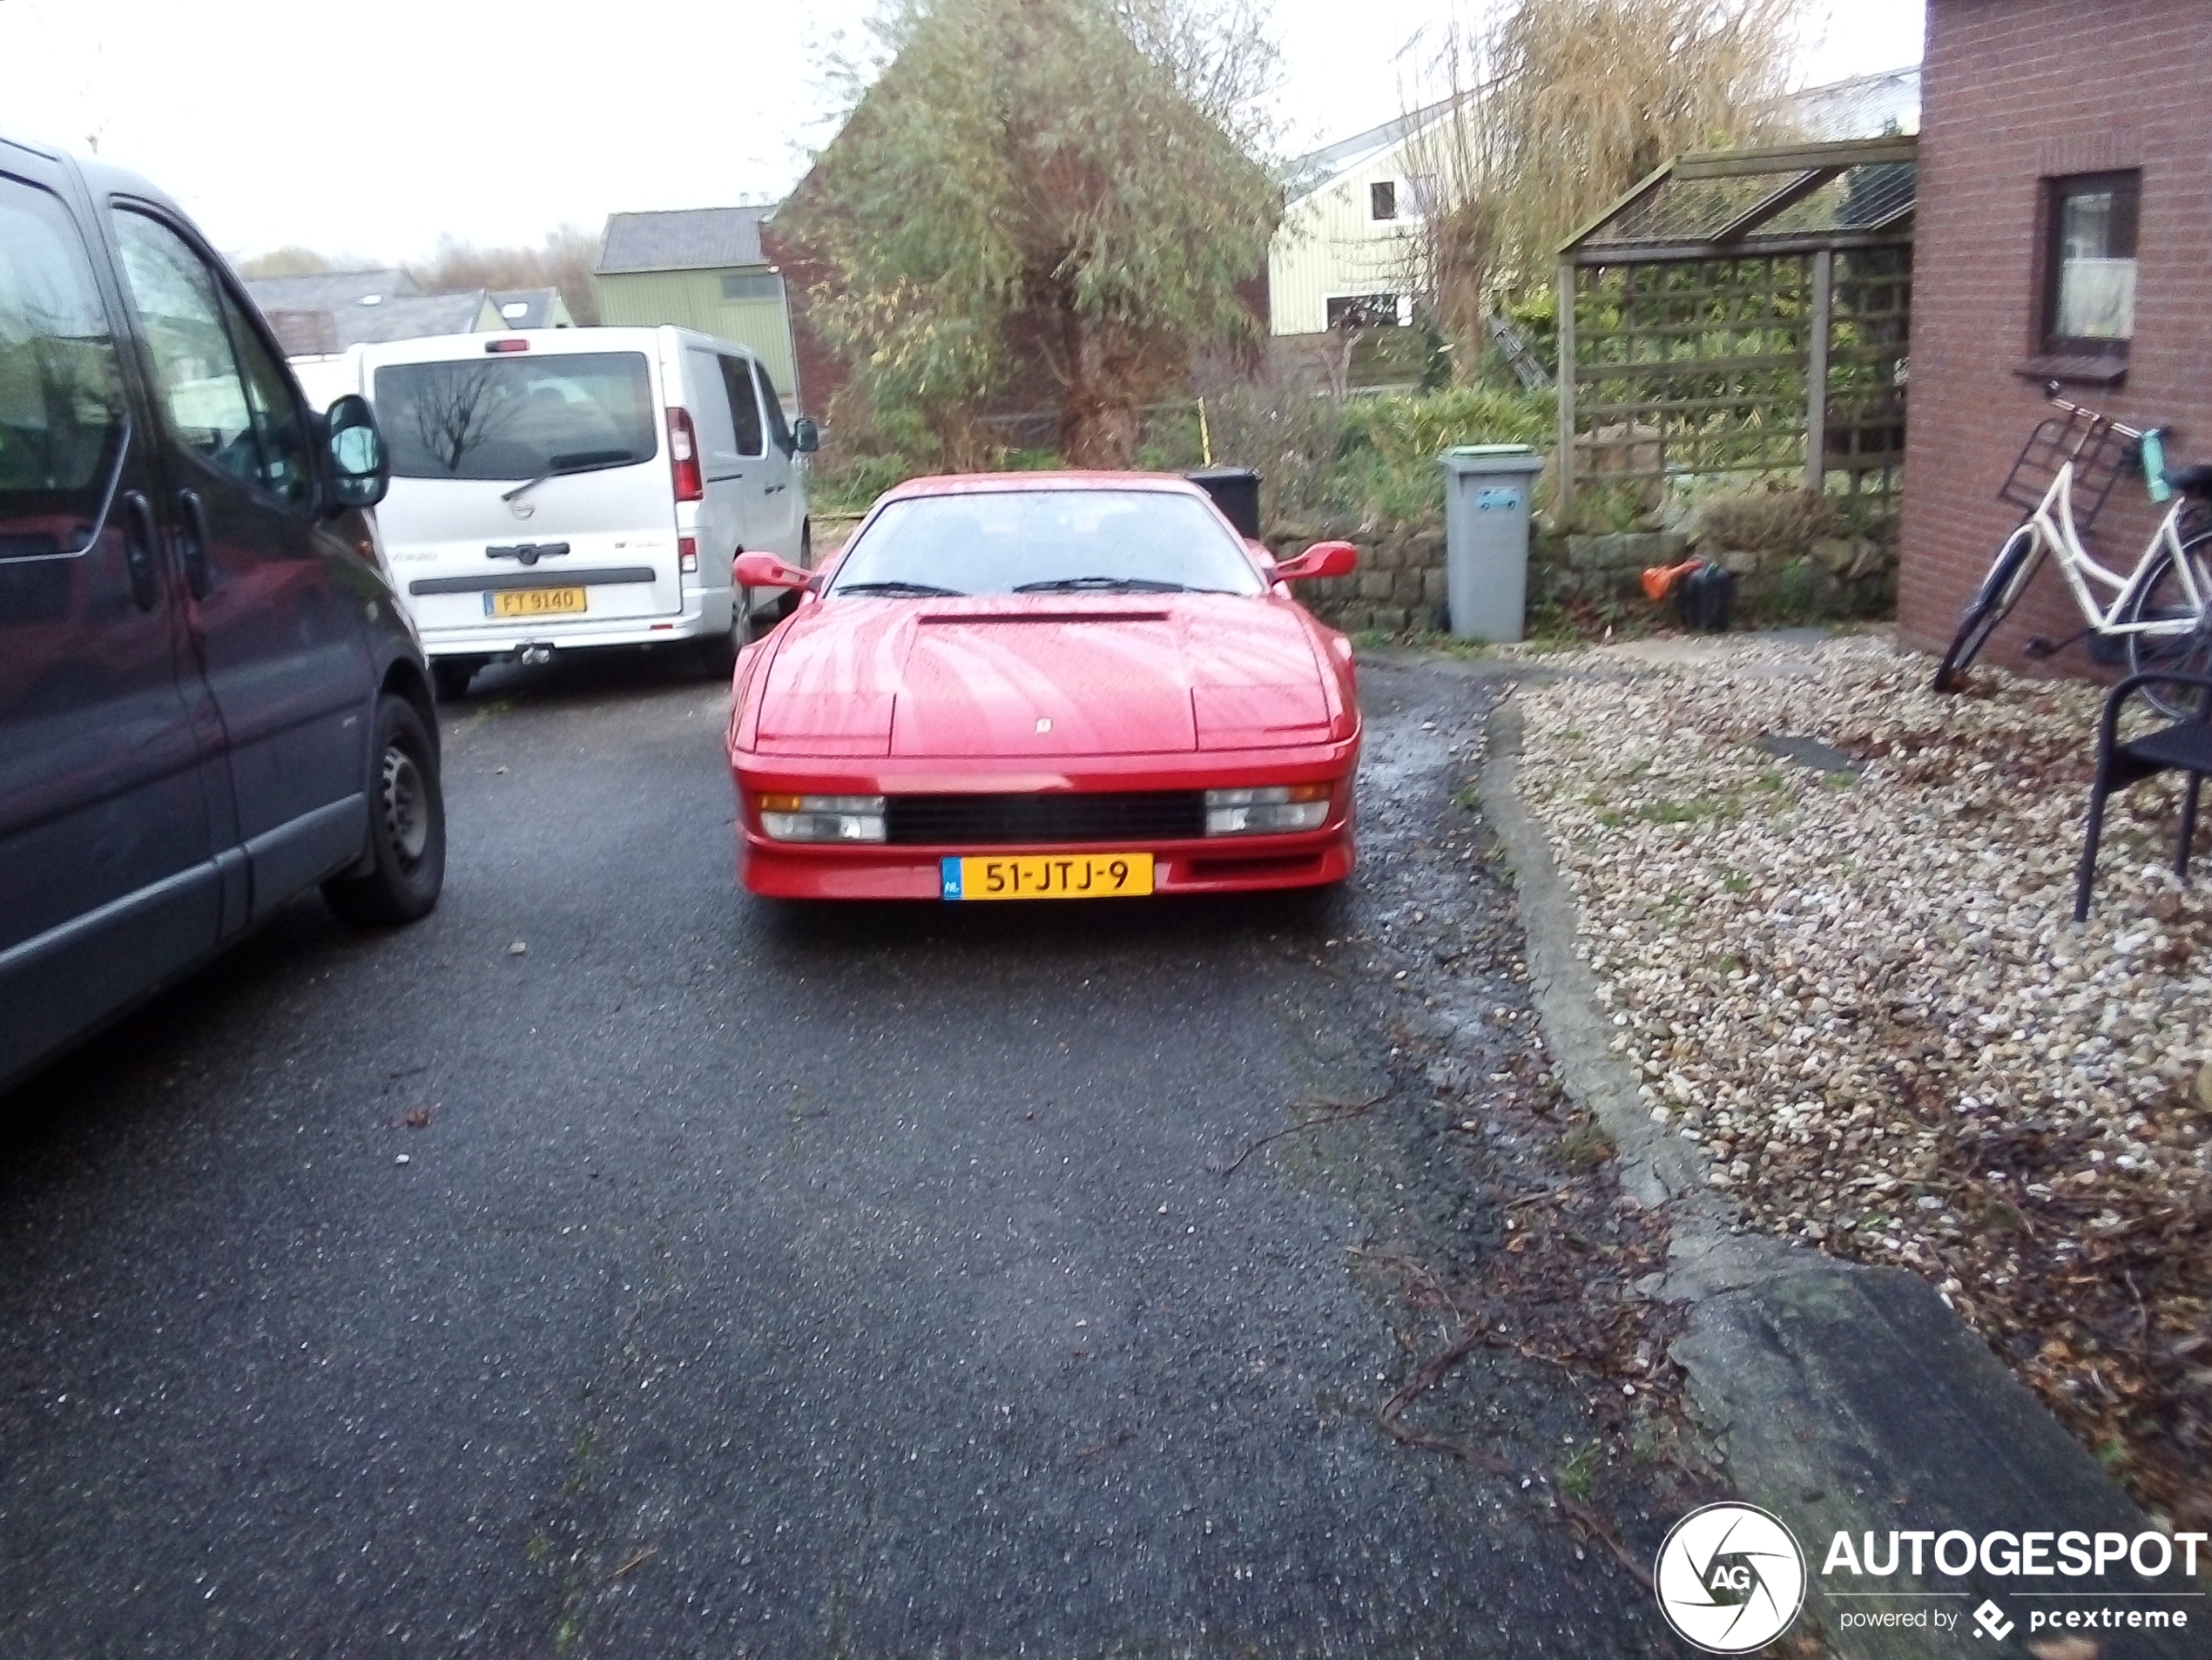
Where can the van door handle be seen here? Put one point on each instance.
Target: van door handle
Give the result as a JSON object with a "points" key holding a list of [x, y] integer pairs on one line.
{"points": [[772, 489], [200, 577], [138, 550]]}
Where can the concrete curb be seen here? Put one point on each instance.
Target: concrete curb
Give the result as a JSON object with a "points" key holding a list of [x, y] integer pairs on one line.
{"points": [[1844, 1399]]}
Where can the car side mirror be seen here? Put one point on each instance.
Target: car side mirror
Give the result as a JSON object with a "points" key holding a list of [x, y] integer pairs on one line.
{"points": [[361, 471], [1322, 559], [806, 436], [766, 571]]}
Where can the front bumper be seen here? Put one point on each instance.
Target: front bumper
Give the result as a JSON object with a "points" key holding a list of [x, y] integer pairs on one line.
{"points": [[1204, 864]]}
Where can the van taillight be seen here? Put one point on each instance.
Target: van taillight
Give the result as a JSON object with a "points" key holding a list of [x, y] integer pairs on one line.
{"points": [[507, 346], [684, 457]]}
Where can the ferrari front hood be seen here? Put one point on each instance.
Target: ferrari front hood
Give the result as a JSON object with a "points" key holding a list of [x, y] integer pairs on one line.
{"points": [[1111, 675]]}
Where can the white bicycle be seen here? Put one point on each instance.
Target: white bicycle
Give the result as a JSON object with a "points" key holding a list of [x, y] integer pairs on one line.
{"points": [[2160, 612]]}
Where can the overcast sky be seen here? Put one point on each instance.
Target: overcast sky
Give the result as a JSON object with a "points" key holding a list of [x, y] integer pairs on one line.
{"points": [[373, 129]]}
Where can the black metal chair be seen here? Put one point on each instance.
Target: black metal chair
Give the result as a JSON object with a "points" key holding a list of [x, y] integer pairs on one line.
{"points": [[2182, 745]]}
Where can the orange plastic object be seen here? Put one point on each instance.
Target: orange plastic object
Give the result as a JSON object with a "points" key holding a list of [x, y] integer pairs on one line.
{"points": [[1659, 580]]}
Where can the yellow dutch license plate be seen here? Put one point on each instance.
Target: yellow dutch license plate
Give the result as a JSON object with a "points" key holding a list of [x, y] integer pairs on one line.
{"points": [[534, 602], [1096, 876]]}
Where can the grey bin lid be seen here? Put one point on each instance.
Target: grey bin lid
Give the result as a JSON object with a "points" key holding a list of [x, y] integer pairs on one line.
{"points": [[1492, 458]]}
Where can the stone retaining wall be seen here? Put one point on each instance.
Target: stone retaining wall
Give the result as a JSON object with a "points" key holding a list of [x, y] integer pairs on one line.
{"points": [[1401, 583]]}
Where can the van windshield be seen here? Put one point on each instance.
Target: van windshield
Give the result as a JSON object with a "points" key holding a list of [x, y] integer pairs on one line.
{"points": [[516, 417]]}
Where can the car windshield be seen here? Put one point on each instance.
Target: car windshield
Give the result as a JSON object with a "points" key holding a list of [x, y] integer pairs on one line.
{"points": [[1046, 541], [516, 416]]}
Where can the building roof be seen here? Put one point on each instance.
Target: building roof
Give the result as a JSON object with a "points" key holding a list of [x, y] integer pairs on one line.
{"points": [[535, 305], [329, 290], [1331, 161], [408, 316], [1865, 107], [690, 238], [305, 331]]}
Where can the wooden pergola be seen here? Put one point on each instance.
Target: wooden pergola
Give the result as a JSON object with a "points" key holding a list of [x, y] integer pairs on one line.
{"points": [[1743, 313]]}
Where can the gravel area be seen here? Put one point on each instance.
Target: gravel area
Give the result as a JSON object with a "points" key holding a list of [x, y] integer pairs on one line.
{"points": [[1847, 969]]}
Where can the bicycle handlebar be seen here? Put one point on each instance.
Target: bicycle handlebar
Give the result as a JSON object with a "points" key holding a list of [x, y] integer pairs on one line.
{"points": [[2051, 391]]}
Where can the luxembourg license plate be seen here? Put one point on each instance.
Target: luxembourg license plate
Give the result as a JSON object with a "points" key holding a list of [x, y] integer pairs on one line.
{"points": [[1096, 876], [534, 602]]}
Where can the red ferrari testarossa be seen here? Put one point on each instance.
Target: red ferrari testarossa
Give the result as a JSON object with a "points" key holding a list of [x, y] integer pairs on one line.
{"points": [[1044, 685]]}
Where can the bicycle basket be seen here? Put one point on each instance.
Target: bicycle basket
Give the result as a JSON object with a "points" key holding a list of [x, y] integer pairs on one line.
{"points": [[2100, 457]]}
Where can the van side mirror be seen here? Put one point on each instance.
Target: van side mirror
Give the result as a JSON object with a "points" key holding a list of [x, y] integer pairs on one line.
{"points": [[360, 469], [806, 436]]}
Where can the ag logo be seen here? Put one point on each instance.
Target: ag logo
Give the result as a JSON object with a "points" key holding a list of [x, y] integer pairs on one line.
{"points": [[1731, 1578]]}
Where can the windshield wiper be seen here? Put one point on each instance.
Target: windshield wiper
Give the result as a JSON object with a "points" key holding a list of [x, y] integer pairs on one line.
{"points": [[582, 461], [901, 589], [1101, 585]]}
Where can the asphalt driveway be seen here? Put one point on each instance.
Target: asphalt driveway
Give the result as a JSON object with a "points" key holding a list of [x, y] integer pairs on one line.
{"points": [[712, 1278]]}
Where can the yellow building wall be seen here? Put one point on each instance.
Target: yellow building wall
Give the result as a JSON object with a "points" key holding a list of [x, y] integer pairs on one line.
{"points": [[1328, 246], [693, 299]]}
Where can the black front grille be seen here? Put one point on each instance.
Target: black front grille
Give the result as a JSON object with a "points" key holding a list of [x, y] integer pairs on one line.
{"points": [[997, 820]]}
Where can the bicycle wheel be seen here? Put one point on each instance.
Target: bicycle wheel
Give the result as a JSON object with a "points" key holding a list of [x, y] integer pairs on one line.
{"points": [[2161, 597], [2009, 574]]}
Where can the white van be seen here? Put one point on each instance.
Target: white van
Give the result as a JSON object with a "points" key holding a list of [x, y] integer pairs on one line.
{"points": [[559, 488]]}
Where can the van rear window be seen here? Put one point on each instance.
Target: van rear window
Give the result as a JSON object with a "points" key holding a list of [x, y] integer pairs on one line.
{"points": [[516, 417]]}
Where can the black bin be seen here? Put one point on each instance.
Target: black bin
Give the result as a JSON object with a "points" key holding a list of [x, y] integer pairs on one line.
{"points": [[1235, 492], [1704, 597]]}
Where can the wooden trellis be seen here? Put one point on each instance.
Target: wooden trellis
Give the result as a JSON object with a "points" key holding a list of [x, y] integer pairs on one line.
{"points": [[1743, 313]]}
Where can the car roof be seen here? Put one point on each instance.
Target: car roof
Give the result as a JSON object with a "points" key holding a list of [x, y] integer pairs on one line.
{"points": [[101, 180], [1007, 483], [548, 342]]}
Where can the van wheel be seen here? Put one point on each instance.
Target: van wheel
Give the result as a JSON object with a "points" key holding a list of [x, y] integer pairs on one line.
{"points": [[451, 676], [406, 827], [719, 655]]}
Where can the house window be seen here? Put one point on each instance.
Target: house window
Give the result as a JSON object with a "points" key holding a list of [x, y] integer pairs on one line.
{"points": [[1382, 200], [752, 285], [1348, 312], [2089, 291]]}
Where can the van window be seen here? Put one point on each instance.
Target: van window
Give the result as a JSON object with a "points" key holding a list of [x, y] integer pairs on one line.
{"points": [[61, 399], [774, 405], [745, 409], [517, 417], [710, 411], [195, 329], [192, 365], [276, 412]]}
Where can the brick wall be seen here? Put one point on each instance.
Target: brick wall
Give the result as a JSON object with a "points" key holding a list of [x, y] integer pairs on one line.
{"points": [[2016, 90]]}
